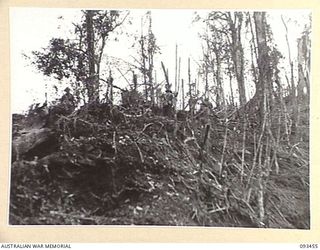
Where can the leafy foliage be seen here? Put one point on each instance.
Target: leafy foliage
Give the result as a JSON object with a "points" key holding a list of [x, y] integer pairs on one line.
{"points": [[61, 59], [68, 59]]}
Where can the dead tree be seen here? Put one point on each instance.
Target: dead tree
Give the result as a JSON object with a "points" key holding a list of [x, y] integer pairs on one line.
{"points": [[191, 99], [92, 82], [262, 99], [235, 25], [264, 77], [182, 94]]}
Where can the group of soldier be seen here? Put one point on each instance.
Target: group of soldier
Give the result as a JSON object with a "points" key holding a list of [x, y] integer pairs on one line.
{"points": [[133, 100]]}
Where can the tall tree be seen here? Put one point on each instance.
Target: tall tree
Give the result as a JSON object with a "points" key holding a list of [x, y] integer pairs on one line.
{"points": [[304, 59], [235, 24], [91, 82], [292, 83], [265, 73], [148, 49], [215, 55], [79, 60], [146, 45], [226, 29]]}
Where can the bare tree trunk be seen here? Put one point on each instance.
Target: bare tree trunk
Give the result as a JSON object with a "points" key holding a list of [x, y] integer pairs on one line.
{"points": [[151, 50], [135, 81], [110, 80], [263, 96], [292, 84], [92, 84], [303, 67], [253, 52], [176, 70], [206, 88], [182, 94], [166, 76], [293, 89], [150, 78], [179, 70], [263, 61], [190, 90], [156, 92], [206, 66], [231, 88], [178, 81], [219, 94], [303, 82], [143, 57], [237, 53]]}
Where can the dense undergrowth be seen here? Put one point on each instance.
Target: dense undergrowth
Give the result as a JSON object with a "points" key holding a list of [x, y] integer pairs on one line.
{"points": [[104, 165]]}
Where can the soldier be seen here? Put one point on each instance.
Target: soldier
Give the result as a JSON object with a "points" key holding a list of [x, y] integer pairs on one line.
{"points": [[205, 111], [168, 103], [68, 101], [206, 104]]}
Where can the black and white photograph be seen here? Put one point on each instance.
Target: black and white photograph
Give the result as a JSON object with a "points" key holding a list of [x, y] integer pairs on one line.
{"points": [[160, 117]]}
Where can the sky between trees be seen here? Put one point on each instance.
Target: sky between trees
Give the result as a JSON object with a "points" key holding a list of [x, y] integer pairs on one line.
{"points": [[32, 28]]}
